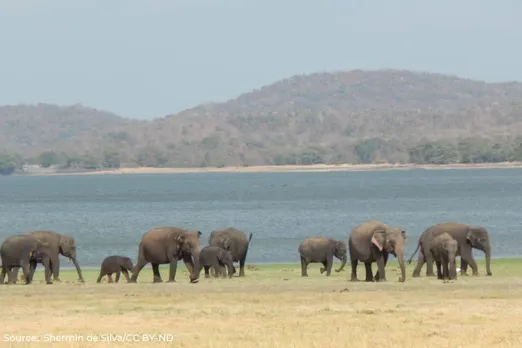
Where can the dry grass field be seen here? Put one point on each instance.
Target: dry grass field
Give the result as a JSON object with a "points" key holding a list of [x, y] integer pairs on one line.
{"points": [[273, 306]]}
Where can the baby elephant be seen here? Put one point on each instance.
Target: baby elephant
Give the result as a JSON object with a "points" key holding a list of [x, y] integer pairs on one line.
{"points": [[115, 264], [217, 258], [444, 250], [323, 250]]}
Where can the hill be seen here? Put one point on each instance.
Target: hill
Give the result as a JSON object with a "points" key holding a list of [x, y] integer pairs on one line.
{"points": [[340, 117]]}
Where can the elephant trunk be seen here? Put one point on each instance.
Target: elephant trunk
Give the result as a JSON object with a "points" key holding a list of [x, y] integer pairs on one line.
{"points": [[342, 264], [487, 251], [77, 265], [400, 257], [194, 277]]}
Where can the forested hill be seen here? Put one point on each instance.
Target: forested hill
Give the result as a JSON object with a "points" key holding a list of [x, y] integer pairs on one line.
{"points": [[341, 117]]}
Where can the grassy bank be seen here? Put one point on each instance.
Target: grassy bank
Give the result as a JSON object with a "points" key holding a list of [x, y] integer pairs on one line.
{"points": [[273, 306]]}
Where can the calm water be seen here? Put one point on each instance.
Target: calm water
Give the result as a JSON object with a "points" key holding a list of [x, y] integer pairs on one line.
{"points": [[108, 214]]}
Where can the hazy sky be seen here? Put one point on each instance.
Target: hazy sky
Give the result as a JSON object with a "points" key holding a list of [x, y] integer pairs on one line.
{"points": [[146, 59]]}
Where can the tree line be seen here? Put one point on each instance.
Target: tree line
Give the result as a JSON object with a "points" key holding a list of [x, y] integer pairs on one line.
{"points": [[366, 151]]}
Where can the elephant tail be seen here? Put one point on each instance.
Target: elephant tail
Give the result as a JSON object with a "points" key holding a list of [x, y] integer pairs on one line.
{"points": [[250, 237], [417, 249]]}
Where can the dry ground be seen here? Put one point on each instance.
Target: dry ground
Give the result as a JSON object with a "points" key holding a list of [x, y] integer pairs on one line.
{"points": [[291, 168], [273, 306]]}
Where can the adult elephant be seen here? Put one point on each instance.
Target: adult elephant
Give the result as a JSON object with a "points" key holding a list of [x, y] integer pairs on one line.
{"points": [[167, 245], [24, 251], [235, 241], [59, 244], [467, 237], [372, 241], [322, 249]]}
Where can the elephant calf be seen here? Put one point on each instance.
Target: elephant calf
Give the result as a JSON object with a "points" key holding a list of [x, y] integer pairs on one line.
{"points": [[217, 258], [115, 264], [321, 249], [444, 251]]}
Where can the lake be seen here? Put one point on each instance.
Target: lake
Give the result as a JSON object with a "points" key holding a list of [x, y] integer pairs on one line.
{"points": [[108, 214]]}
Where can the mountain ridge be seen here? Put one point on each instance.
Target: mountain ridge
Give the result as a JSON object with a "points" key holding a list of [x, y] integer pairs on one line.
{"points": [[352, 116]]}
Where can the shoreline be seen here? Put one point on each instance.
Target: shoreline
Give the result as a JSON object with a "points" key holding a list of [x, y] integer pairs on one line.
{"points": [[286, 168]]}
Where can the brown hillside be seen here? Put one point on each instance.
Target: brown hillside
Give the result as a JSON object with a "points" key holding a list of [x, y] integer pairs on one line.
{"points": [[308, 118]]}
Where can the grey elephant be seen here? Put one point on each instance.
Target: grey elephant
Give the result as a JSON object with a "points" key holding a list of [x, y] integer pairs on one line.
{"points": [[373, 241], [322, 249], [444, 251], [167, 245], [235, 241], [59, 245], [467, 237], [216, 258], [115, 264], [24, 251]]}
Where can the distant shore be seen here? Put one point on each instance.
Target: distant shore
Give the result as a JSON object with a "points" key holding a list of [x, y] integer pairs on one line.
{"points": [[287, 168]]}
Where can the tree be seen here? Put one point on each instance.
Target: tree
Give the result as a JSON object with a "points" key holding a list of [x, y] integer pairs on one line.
{"points": [[111, 159], [8, 163]]}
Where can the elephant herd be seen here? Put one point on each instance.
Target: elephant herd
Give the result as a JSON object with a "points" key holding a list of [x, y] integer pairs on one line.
{"points": [[370, 242], [374, 241], [160, 245]]}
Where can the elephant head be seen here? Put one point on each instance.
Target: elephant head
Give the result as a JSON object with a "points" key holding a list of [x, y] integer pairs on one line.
{"points": [[478, 237], [41, 251], [68, 249], [340, 252], [189, 243], [127, 263], [391, 240], [226, 243]]}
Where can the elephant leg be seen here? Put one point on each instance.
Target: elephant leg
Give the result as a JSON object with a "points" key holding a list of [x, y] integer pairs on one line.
{"points": [[429, 264], [463, 267], [323, 269], [109, 276], [242, 266], [353, 277], [100, 277], [173, 268], [137, 269], [157, 275], [304, 266], [118, 273], [467, 256], [216, 269], [445, 270], [440, 274], [369, 273], [26, 268], [329, 263], [207, 271], [55, 262], [223, 271], [126, 274], [10, 275], [2, 275], [385, 262], [380, 266], [420, 262]]}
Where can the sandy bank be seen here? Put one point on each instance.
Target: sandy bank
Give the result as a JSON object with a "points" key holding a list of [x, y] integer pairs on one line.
{"points": [[291, 168]]}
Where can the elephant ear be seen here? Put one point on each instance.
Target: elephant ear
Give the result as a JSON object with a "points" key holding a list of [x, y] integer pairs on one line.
{"points": [[378, 238], [470, 237]]}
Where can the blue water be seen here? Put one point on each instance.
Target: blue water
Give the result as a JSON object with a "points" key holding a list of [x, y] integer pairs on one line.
{"points": [[107, 214]]}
